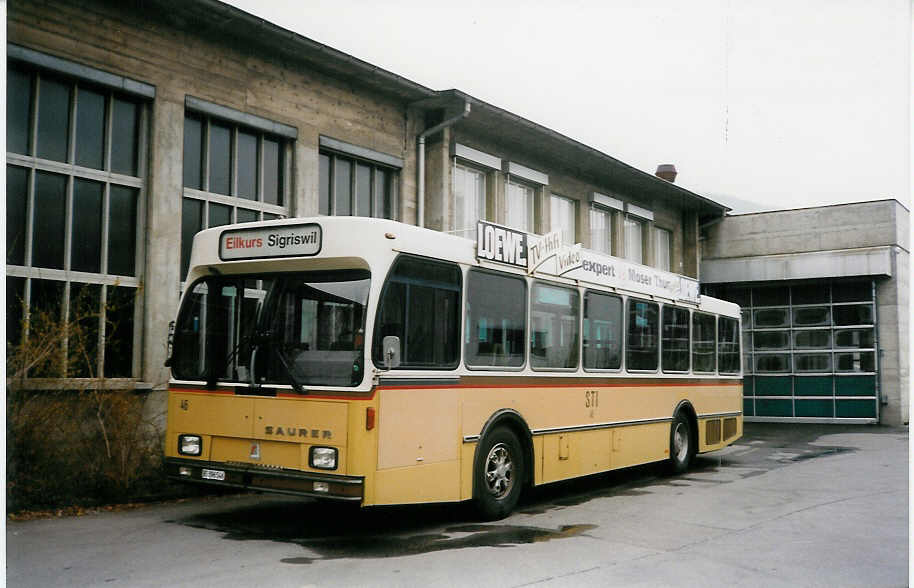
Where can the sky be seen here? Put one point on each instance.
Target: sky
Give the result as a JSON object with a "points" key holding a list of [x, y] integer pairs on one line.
{"points": [[761, 105]]}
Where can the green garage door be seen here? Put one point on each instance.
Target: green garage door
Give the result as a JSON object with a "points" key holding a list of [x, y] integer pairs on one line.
{"points": [[810, 350]]}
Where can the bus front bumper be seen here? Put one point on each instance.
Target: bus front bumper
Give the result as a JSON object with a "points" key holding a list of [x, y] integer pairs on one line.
{"points": [[252, 477]]}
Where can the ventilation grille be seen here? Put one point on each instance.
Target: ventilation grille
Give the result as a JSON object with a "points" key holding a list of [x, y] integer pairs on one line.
{"points": [[729, 428], [712, 432]]}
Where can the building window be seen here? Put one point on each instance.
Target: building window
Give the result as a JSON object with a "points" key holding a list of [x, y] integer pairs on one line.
{"points": [[356, 187], [469, 200], [74, 212], [232, 174], [562, 214], [633, 234], [663, 240], [601, 236], [520, 198]]}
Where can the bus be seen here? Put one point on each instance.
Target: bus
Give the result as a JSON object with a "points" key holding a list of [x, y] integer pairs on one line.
{"points": [[380, 363]]}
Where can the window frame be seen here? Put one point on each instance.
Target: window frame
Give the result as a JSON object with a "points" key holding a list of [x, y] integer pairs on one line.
{"points": [[376, 200], [530, 328], [81, 80], [627, 348], [377, 340], [463, 165], [663, 313], [466, 317], [621, 331], [531, 213]]}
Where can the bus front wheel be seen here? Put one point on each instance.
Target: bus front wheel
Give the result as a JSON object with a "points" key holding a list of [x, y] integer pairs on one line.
{"points": [[682, 448], [499, 474]]}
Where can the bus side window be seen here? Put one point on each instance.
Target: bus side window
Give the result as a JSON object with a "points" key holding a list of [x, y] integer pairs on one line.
{"points": [[554, 328], [602, 331], [728, 346], [675, 339], [642, 345], [496, 320], [704, 342], [420, 304]]}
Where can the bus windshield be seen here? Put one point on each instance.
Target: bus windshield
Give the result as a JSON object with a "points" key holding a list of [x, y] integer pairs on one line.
{"points": [[304, 328]]}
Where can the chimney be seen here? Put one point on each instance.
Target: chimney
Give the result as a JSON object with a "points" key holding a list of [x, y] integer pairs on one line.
{"points": [[666, 171]]}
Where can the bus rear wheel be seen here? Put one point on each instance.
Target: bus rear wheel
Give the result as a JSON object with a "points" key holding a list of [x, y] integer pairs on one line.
{"points": [[682, 448], [498, 474]]}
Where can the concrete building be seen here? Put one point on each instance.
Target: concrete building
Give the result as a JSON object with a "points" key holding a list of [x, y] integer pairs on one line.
{"points": [[132, 126], [826, 309]]}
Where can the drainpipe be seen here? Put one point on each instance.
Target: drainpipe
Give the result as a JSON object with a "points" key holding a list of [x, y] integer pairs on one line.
{"points": [[420, 210]]}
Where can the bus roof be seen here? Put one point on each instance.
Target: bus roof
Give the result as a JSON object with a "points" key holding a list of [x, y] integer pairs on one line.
{"points": [[337, 242]]}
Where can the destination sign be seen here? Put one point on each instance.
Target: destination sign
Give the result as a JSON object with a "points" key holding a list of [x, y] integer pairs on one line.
{"points": [[262, 242]]}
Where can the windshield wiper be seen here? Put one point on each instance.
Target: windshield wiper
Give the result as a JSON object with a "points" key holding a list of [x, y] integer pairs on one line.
{"points": [[266, 338], [291, 375]]}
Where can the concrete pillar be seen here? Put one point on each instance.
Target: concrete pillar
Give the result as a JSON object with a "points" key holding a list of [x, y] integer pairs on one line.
{"points": [[305, 192], [438, 208], [163, 234], [690, 245]]}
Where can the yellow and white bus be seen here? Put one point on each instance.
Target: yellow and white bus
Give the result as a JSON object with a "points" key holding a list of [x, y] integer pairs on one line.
{"points": [[370, 361]]}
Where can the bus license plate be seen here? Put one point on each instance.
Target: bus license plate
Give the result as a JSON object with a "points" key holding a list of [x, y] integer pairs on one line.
{"points": [[213, 475]]}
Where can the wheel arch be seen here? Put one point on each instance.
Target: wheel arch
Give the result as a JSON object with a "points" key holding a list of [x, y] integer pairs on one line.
{"points": [[512, 420], [686, 408]]}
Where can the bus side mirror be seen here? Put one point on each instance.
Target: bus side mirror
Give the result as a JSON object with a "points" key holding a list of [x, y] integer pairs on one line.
{"points": [[390, 346]]}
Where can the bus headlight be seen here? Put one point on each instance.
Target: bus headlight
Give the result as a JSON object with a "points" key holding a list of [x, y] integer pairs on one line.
{"points": [[323, 458], [189, 444]]}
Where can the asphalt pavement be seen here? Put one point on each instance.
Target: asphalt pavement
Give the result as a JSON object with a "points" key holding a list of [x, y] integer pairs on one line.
{"points": [[787, 505]]}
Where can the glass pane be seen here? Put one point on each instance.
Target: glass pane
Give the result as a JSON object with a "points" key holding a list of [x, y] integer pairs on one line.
{"points": [[601, 230], [704, 342], [385, 193], [860, 361], [728, 352], [247, 165], [246, 216], [675, 339], [496, 319], [811, 317], [220, 158], [49, 220], [770, 296], [812, 362], [554, 327], [86, 244], [562, 218], [119, 332], [662, 245], [219, 214], [82, 334], [122, 211], [17, 185], [642, 342], [773, 317], [193, 153], [53, 119], [421, 306], [18, 111], [772, 363], [734, 294], [854, 314], [272, 172], [191, 223], [519, 213], [269, 216], [362, 190], [342, 188], [771, 340], [602, 331], [90, 129], [469, 195], [852, 291], [854, 338], [633, 240], [809, 294], [15, 300], [124, 137], [820, 339], [45, 317]]}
